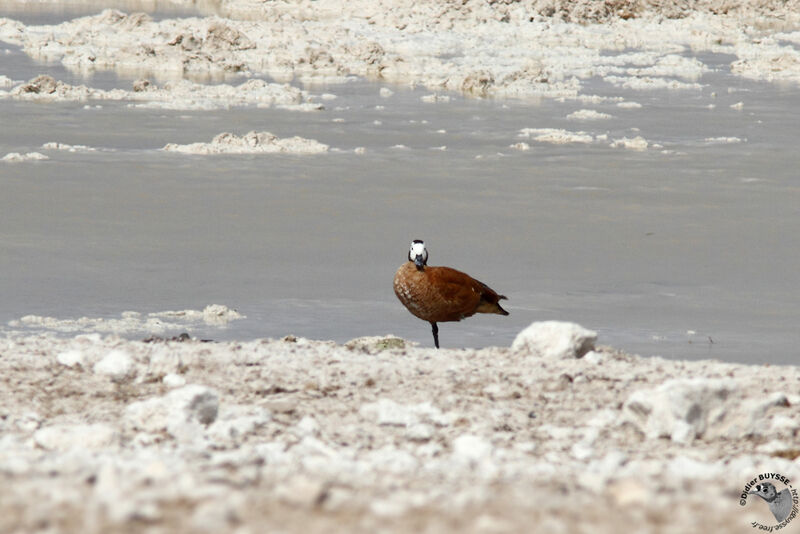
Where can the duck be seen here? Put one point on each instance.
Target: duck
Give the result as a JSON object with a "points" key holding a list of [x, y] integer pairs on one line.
{"points": [[441, 294], [780, 503]]}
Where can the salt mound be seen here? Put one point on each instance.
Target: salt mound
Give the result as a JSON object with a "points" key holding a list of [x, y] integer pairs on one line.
{"points": [[555, 339], [636, 143], [182, 412], [587, 115], [46, 87], [555, 135], [375, 344], [251, 143], [723, 140], [679, 409], [63, 437], [187, 95], [16, 157], [688, 409], [117, 365], [213, 314], [174, 95], [131, 321], [68, 148], [6, 82]]}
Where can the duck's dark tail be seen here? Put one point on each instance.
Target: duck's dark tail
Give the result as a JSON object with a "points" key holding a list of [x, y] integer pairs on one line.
{"points": [[489, 304]]}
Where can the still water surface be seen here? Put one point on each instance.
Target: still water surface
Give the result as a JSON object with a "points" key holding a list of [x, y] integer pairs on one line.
{"points": [[692, 253]]}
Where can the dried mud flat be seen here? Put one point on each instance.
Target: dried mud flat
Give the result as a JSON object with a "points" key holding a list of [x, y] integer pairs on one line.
{"points": [[101, 434]]}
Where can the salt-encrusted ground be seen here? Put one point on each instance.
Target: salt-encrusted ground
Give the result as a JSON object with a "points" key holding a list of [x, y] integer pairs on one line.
{"points": [[503, 49], [103, 434]]}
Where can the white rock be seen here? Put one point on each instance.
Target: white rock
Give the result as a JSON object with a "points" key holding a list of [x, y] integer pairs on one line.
{"points": [[117, 364], [251, 143], [69, 148], [392, 460], [215, 315], [300, 490], [273, 452], [555, 339], [385, 92], [307, 426], [681, 466], [389, 412], [16, 157], [526, 447], [782, 424], [555, 135], [629, 492], [557, 433], [594, 357], [311, 446], [65, 437], [217, 515], [71, 358], [219, 314], [27, 422], [420, 432], [182, 412], [608, 465], [635, 143], [235, 422], [6, 82], [432, 98], [775, 446], [582, 451], [721, 141], [109, 490], [680, 409], [396, 505], [471, 448], [89, 338], [587, 115], [172, 380]]}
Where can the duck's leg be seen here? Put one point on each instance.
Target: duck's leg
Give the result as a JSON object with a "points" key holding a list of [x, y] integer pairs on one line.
{"points": [[435, 330]]}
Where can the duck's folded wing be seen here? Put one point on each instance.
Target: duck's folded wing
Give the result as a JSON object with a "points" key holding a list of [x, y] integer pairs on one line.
{"points": [[459, 292]]}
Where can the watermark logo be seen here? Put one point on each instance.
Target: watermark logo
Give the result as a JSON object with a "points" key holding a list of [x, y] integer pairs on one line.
{"points": [[781, 498]]}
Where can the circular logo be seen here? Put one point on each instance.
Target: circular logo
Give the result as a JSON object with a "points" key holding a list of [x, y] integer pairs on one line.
{"points": [[780, 497]]}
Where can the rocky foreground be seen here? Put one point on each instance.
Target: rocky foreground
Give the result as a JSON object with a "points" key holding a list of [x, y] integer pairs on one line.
{"points": [[293, 435]]}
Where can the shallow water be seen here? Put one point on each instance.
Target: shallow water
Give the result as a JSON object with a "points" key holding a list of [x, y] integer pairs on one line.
{"points": [[686, 254]]}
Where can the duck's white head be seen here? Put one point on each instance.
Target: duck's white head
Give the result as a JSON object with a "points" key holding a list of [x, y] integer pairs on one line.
{"points": [[418, 254]]}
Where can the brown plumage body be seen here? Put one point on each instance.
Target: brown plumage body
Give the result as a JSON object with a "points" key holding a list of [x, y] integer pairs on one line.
{"points": [[440, 294]]}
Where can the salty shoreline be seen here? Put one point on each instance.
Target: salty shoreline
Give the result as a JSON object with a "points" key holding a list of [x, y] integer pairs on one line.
{"points": [[295, 435]]}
